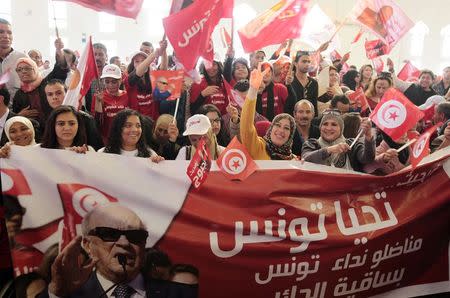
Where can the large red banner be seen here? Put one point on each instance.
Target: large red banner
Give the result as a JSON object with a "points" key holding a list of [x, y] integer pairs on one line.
{"points": [[123, 8], [354, 235]]}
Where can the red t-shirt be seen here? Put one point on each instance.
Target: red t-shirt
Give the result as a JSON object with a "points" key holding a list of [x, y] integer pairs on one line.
{"points": [[141, 101], [220, 99], [111, 106], [26, 260], [280, 94]]}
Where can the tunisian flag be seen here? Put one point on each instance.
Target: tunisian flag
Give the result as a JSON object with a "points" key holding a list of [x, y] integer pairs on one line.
{"points": [[376, 48], [235, 162], [81, 80], [384, 18], [189, 30], [395, 114], [421, 147], [282, 21], [124, 8], [359, 97], [408, 72]]}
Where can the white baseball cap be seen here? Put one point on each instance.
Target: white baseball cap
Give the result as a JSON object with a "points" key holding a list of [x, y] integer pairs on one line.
{"points": [[111, 71], [197, 125]]}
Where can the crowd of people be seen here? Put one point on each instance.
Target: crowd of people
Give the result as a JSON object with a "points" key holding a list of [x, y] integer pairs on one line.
{"points": [[283, 117]]}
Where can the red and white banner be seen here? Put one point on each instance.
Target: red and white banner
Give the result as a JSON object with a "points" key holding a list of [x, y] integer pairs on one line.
{"points": [[359, 97], [124, 8], [189, 30], [82, 78], [384, 18], [282, 21], [395, 114], [168, 81], [270, 236], [421, 147]]}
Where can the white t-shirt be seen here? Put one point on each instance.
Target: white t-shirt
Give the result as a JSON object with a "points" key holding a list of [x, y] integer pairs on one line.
{"points": [[182, 153], [132, 153]]}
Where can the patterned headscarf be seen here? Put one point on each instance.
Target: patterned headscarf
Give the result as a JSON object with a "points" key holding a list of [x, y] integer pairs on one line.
{"points": [[283, 152]]}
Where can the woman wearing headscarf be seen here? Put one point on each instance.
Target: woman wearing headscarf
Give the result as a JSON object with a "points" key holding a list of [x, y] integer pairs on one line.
{"points": [[198, 126], [277, 143], [333, 149], [30, 100], [19, 131], [164, 137]]}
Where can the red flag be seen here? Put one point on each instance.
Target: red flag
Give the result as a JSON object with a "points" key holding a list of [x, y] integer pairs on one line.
{"points": [[359, 97], [233, 96], [225, 37], [200, 165], [124, 8], [421, 147], [335, 56], [384, 18], [77, 200], [358, 36], [169, 82], [14, 183], [395, 114], [31, 236], [376, 48], [82, 78], [235, 162], [178, 5], [189, 31], [429, 113], [4, 78], [378, 64], [408, 72], [282, 21]]}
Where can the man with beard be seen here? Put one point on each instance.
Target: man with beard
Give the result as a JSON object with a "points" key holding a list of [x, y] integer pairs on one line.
{"points": [[304, 129], [8, 57], [113, 237], [304, 86]]}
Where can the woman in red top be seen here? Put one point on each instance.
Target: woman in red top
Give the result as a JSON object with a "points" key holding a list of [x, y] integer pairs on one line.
{"points": [[111, 101], [210, 90], [376, 90]]}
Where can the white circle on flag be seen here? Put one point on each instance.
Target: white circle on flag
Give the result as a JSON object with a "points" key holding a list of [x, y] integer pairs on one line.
{"points": [[234, 161], [391, 114], [7, 182], [86, 199], [420, 145]]}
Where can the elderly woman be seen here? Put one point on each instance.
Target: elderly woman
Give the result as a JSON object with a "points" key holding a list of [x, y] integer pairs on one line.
{"points": [[198, 126], [333, 149], [19, 131], [126, 137], [277, 143]]}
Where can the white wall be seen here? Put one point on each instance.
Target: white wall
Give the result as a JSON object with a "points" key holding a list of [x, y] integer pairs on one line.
{"points": [[31, 27]]}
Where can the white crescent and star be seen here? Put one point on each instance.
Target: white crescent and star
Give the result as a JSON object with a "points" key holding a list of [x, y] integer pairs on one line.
{"points": [[391, 114]]}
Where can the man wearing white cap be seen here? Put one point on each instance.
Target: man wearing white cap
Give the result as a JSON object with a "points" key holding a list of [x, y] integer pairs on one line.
{"points": [[111, 101], [199, 126]]}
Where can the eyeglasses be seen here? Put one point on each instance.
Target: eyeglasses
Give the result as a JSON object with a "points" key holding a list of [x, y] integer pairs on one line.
{"points": [[23, 69], [112, 235], [217, 120], [333, 112]]}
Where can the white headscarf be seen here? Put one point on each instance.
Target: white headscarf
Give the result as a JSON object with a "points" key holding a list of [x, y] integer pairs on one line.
{"points": [[22, 120]]}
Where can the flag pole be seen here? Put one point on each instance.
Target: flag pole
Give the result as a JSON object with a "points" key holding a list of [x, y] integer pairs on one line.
{"points": [[357, 137], [338, 29], [406, 145], [54, 19], [232, 31], [176, 110]]}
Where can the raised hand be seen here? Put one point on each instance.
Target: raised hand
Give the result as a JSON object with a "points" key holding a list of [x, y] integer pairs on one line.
{"points": [[256, 77]]}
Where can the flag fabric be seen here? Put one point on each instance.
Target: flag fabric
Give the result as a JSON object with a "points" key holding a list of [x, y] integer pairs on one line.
{"points": [[421, 147], [225, 37], [384, 18], [235, 162], [82, 78], [128, 9], [428, 113], [395, 114], [189, 30], [282, 21], [334, 55], [168, 82], [358, 36], [318, 28], [409, 72], [376, 48], [234, 97], [4, 78], [200, 164], [178, 5], [378, 64], [359, 97]]}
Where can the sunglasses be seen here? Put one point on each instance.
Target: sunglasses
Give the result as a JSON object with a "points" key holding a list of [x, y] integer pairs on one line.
{"points": [[332, 112], [112, 235], [164, 83]]}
